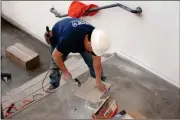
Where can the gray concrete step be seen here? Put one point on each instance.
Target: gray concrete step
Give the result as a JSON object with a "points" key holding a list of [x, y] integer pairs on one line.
{"points": [[32, 90]]}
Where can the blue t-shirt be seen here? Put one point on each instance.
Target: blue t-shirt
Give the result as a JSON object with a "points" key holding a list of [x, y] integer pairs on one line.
{"points": [[69, 34]]}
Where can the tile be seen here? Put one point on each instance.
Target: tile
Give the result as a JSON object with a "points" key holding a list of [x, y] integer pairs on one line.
{"points": [[90, 92]]}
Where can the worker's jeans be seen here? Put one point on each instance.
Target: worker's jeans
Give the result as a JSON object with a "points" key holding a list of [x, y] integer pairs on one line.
{"points": [[55, 75]]}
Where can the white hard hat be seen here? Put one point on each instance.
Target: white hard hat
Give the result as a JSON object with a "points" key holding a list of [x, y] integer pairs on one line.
{"points": [[99, 42]]}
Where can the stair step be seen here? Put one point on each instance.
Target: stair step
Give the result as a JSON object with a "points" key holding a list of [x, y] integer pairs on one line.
{"points": [[74, 65], [34, 81]]}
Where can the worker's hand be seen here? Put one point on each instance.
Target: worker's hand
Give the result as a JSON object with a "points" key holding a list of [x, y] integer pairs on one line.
{"points": [[66, 75], [101, 86]]}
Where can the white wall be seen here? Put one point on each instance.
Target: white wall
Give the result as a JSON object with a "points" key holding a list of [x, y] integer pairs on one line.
{"points": [[151, 40]]}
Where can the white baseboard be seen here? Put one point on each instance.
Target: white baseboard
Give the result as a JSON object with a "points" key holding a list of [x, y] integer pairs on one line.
{"points": [[124, 55]]}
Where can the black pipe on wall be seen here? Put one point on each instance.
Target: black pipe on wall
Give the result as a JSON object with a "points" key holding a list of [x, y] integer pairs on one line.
{"points": [[138, 10]]}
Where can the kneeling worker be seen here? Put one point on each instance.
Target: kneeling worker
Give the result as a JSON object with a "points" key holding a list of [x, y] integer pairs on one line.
{"points": [[76, 36]]}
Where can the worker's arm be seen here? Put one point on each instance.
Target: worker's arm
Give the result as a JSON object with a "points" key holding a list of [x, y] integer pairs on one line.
{"points": [[98, 71], [57, 57]]}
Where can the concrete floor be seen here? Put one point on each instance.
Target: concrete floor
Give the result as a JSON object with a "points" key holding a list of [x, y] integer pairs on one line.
{"points": [[134, 89], [10, 35]]}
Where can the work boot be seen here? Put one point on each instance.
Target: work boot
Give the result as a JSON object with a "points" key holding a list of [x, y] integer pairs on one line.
{"points": [[51, 88]]}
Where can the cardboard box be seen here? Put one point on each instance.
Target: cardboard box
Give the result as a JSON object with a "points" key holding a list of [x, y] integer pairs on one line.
{"points": [[106, 110], [23, 56], [109, 110]]}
